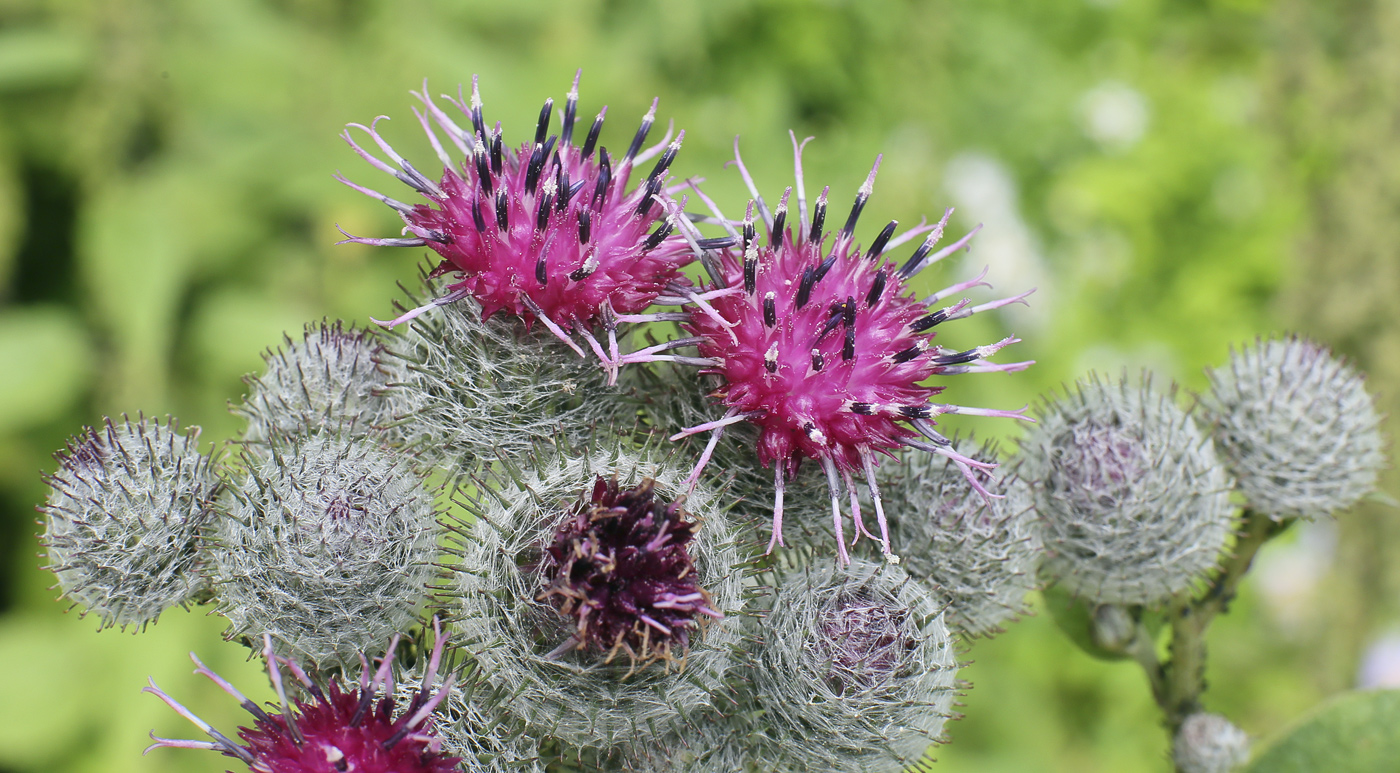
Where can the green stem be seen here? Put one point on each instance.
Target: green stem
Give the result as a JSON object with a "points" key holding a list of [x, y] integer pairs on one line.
{"points": [[1179, 680]]}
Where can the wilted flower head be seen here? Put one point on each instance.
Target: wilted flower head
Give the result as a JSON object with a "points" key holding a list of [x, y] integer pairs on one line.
{"points": [[821, 346], [981, 555], [1296, 427], [332, 728], [548, 232], [1133, 502], [620, 566], [126, 519], [503, 598], [328, 547], [328, 379]]}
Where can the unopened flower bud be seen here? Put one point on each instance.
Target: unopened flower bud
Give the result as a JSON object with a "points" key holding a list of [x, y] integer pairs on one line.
{"points": [[474, 389], [855, 669], [1114, 629], [1209, 743], [1134, 505], [328, 379], [126, 519], [981, 553], [1296, 428], [328, 548]]}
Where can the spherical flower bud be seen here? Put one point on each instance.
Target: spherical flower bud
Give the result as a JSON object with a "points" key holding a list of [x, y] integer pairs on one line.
{"points": [[981, 554], [855, 669], [1133, 503], [584, 648], [332, 727], [126, 520], [329, 379], [470, 389], [1209, 743], [1296, 428], [823, 346], [329, 545], [546, 233]]}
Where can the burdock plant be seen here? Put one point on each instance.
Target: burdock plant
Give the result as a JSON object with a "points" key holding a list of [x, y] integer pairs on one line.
{"points": [[591, 538]]}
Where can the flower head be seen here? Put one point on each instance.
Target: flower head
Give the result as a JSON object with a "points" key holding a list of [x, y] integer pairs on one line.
{"points": [[1133, 503], [982, 555], [620, 566], [333, 729], [127, 518], [547, 232], [1296, 427], [328, 547], [821, 345], [504, 596], [854, 669]]}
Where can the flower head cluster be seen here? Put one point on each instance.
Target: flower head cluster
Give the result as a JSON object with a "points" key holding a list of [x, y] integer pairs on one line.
{"points": [[127, 517], [820, 345], [1296, 427], [1133, 502], [548, 232], [620, 567], [333, 728]]}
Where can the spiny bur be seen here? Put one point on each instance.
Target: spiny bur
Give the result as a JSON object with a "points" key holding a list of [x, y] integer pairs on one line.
{"points": [[1296, 428], [1134, 505], [328, 379], [328, 546], [855, 669], [982, 554], [126, 520]]}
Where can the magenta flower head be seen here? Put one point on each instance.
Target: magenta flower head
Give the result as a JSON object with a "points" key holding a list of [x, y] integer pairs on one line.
{"points": [[821, 344], [547, 232], [620, 566], [332, 730]]}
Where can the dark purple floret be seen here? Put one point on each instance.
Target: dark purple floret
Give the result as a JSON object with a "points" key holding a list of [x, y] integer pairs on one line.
{"points": [[620, 566]]}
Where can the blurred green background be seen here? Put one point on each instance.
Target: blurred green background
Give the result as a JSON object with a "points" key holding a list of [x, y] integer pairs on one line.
{"points": [[1176, 176]]}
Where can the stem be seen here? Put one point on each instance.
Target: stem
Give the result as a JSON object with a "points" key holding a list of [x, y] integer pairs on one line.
{"points": [[1179, 680]]}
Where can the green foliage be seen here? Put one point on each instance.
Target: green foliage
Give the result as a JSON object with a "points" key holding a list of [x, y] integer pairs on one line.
{"points": [[1353, 733]]}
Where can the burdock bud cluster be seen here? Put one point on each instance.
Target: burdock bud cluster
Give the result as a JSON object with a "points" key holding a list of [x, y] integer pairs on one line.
{"points": [[1296, 428], [1133, 502], [470, 388], [596, 608], [855, 669], [981, 554], [331, 726], [1209, 743], [126, 519], [327, 548], [328, 379]]}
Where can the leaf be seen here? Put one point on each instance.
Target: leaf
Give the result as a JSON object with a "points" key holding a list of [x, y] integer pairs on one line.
{"points": [[1352, 733], [35, 57]]}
